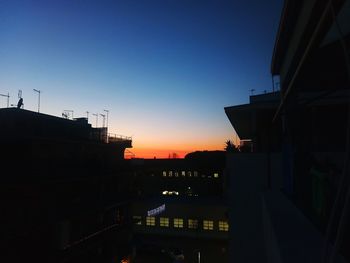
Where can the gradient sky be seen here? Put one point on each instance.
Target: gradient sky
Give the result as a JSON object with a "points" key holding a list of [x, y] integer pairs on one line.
{"points": [[165, 69]]}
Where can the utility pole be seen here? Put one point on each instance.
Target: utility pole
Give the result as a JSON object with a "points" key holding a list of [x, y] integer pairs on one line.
{"points": [[8, 98], [38, 91]]}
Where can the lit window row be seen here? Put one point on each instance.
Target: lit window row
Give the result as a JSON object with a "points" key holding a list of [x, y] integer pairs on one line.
{"points": [[223, 225], [179, 223], [164, 221], [188, 174], [208, 225], [150, 221]]}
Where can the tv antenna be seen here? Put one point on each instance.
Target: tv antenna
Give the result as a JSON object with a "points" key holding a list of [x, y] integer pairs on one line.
{"points": [[68, 113], [107, 111], [19, 93], [8, 98], [96, 114], [87, 115], [38, 91], [252, 91]]}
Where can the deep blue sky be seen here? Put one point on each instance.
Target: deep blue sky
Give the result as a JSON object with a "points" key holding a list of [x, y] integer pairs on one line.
{"points": [[164, 69]]}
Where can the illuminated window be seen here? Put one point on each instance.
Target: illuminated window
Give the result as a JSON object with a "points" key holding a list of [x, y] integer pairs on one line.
{"points": [[164, 221], [183, 173], [193, 223], [195, 174], [164, 173], [216, 175], [170, 173], [223, 226], [137, 220], [208, 225], [178, 222], [189, 174], [150, 221], [176, 174]]}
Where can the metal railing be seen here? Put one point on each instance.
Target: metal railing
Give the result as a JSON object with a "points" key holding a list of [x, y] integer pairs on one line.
{"points": [[112, 137]]}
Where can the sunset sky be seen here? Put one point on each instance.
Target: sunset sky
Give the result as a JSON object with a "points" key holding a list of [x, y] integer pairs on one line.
{"points": [[164, 69]]}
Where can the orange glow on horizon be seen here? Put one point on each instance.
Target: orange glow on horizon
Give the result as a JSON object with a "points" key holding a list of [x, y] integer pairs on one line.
{"points": [[149, 153]]}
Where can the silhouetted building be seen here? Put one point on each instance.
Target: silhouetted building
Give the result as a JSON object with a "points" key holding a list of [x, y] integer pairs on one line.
{"points": [[181, 205], [297, 198], [203, 177], [65, 190]]}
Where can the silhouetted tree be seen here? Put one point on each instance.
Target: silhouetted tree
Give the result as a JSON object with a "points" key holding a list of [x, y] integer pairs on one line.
{"points": [[230, 147]]}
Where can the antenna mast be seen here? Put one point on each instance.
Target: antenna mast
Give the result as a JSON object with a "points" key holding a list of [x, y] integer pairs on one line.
{"points": [[8, 98], [38, 91], [96, 114]]}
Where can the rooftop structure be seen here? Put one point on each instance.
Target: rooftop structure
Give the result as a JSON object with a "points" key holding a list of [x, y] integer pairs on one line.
{"points": [[65, 186], [253, 121]]}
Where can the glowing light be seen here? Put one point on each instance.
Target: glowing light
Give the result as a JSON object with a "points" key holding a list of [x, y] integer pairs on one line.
{"points": [[170, 193], [156, 211]]}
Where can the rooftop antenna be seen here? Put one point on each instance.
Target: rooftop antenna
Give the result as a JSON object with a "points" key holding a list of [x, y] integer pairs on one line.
{"points": [[20, 101], [38, 91], [87, 115], [8, 98], [103, 120], [107, 111], [66, 113], [252, 91], [95, 114]]}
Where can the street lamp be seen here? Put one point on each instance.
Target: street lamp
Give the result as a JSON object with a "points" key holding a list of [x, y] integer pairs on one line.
{"points": [[38, 91], [198, 252]]}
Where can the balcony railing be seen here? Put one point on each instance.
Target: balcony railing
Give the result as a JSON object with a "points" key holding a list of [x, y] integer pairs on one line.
{"points": [[112, 138]]}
